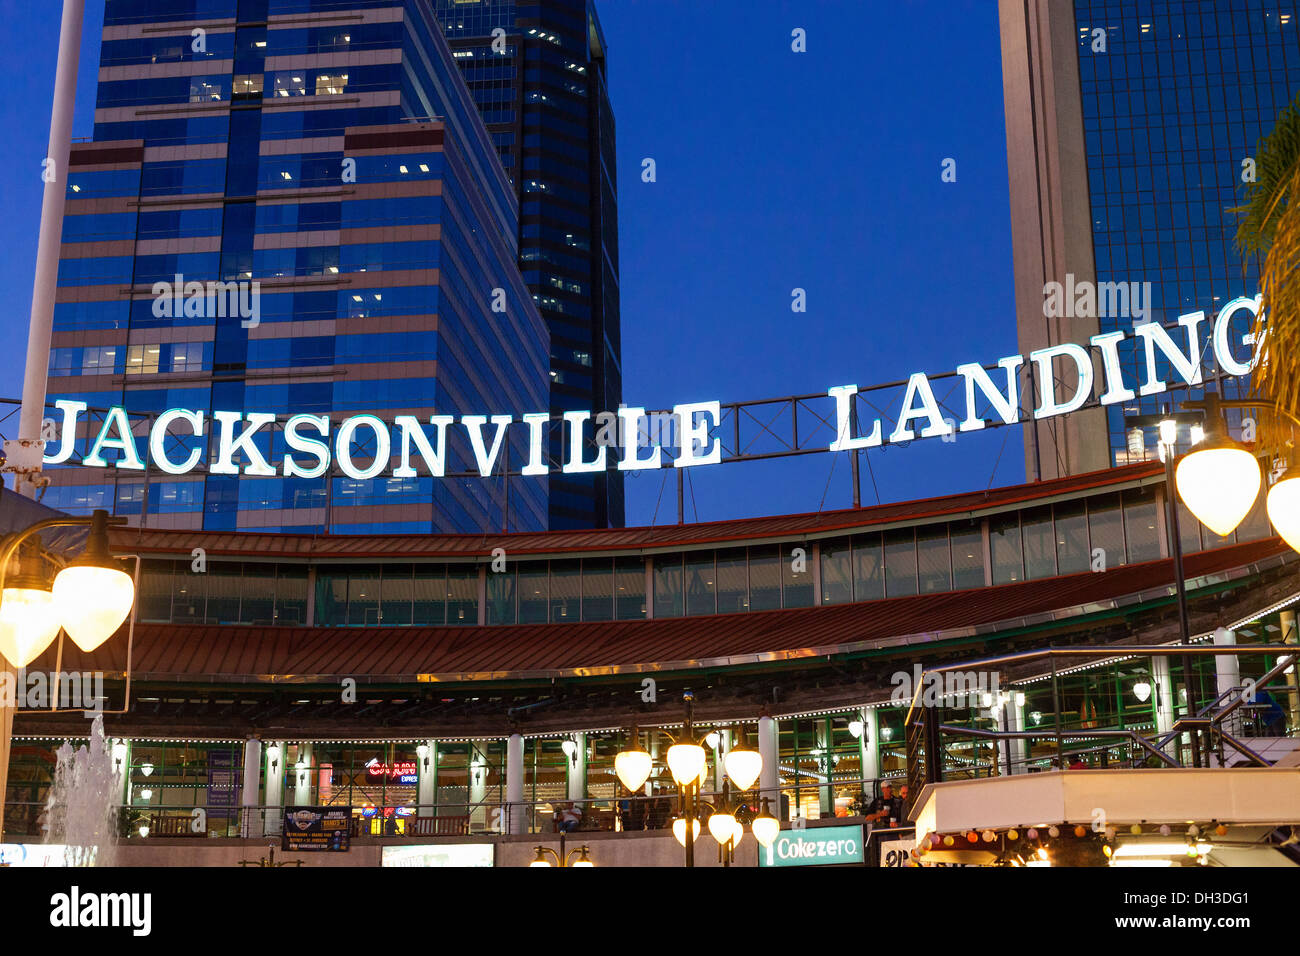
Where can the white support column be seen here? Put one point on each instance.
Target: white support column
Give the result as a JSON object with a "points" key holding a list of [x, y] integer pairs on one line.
{"points": [[478, 774], [1287, 621], [1228, 675], [578, 771], [1016, 724], [426, 786], [302, 776], [770, 777], [825, 803], [870, 744], [250, 818], [516, 813], [276, 752], [1164, 689]]}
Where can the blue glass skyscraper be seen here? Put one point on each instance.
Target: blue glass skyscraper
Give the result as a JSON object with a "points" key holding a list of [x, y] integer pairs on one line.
{"points": [[538, 73], [329, 151], [1131, 129]]}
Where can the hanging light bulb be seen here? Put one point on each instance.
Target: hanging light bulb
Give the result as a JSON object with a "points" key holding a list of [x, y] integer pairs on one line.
{"points": [[722, 826], [855, 728], [765, 826], [743, 765], [686, 763], [632, 764], [1284, 508], [29, 621], [93, 595], [1142, 690], [679, 829], [540, 859], [583, 859], [1220, 480]]}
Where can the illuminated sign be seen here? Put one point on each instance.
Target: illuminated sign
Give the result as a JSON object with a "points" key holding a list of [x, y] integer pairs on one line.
{"points": [[821, 846], [238, 443], [442, 854], [402, 772]]}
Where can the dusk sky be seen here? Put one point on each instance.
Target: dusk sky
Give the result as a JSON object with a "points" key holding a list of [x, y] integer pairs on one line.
{"points": [[775, 170]]}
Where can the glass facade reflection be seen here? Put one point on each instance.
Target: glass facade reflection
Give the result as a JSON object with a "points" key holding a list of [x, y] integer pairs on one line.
{"points": [[329, 152], [541, 89], [1174, 107]]}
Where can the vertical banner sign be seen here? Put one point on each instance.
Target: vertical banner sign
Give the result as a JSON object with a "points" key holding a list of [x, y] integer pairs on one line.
{"points": [[224, 784], [317, 828]]}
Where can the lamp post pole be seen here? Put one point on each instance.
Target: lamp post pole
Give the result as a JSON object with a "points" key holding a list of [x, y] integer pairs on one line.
{"points": [[1180, 583], [25, 453], [691, 792]]}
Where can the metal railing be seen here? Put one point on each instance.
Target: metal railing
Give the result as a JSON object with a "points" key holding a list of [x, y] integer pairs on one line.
{"points": [[1210, 727]]}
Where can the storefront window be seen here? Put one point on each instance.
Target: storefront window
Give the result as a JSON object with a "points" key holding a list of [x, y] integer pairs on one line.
{"points": [[501, 597], [868, 568], [1106, 529], [430, 585], [462, 595], [733, 581], [1008, 554], [629, 589], [668, 585], [796, 576], [566, 591], [1072, 555], [1040, 543], [1140, 525], [534, 592], [700, 583], [967, 555], [764, 578], [900, 563], [933, 559], [597, 589], [837, 572]]}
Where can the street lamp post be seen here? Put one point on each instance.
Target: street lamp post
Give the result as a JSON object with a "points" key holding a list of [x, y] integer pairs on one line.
{"points": [[688, 762], [89, 599], [562, 858]]}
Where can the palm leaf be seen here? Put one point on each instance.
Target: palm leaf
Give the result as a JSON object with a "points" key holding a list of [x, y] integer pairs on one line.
{"points": [[1270, 227]]}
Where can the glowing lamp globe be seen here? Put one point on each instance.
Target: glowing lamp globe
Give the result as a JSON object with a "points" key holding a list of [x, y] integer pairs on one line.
{"points": [[679, 829], [583, 859], [1284, 510], [685, 763], [743, 766], [1142, 690], [737, 833], [29, 622], [722, 827], [633, 768], [1219, 483], [93, 602], [765, 826], [540, 859]]}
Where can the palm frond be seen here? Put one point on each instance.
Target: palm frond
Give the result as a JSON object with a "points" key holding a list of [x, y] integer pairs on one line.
{"points": [[1270, 226]]}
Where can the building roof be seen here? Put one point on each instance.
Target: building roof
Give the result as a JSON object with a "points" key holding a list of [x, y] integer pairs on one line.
{"points": [[243, 653], [253, 544]]}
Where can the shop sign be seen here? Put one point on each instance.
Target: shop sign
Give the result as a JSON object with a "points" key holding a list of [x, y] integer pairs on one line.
{"points": [[439, 855], [820, 846], [317, 828]]}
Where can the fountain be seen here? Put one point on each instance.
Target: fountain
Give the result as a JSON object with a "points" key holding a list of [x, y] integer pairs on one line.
{"points": [[83, 806]]}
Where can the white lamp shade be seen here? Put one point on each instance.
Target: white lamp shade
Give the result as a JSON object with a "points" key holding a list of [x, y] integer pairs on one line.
{"points": [[679, 829], [1219, 483], [93, 602], [569, 747], [722, 826], [765, 827], [539, 862], [743, 767], [686, 763], [29, 623], [855, 728], [1284, 510], [1142, 690], [633, 768], [582, 861]]}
